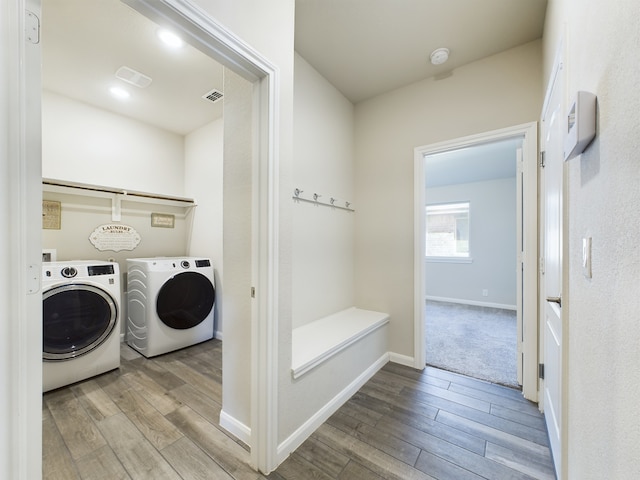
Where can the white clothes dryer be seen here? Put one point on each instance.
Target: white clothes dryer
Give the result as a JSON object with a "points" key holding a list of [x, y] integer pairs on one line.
{"points": [[169, 303], [80, 321]]}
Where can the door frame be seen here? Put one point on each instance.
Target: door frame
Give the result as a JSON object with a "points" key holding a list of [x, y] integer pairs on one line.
{"points": [[230, 51], [529, 133], [24, 460], [21, 193]]}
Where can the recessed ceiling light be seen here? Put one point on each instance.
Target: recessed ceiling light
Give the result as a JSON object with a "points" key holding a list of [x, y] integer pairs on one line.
{"points": [[119, 93], [170, 39], [439, 56]]}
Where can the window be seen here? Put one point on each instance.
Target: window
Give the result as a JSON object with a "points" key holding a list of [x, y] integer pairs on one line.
{"points": [[448, 231]]}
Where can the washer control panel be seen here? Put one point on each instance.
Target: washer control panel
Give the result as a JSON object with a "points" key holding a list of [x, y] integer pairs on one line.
{"points": [[79, 269]]}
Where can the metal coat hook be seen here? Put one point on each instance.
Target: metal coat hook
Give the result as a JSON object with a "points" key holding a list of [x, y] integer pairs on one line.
{"points": [[316, 200]]}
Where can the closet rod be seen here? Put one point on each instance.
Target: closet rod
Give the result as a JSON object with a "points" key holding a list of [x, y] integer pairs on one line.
{"points": [[96, 188]]}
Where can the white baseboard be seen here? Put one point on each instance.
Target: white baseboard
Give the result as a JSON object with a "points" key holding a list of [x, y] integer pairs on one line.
{"points": [[405, 360], [460, 301], [217, 334], [305, 430], [235, 427]]}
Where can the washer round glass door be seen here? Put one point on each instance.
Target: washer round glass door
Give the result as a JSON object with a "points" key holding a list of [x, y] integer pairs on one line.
{"points": [[185, 300], [76, 319]]}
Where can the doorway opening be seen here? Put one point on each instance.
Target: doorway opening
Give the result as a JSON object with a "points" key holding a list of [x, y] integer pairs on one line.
{"points": [[487, 273], [470, 260], [164, 138], [217, 42]]}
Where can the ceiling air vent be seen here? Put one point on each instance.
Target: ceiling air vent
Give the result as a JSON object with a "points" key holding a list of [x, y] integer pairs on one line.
{"points": [[213, 96], [133, 77]]}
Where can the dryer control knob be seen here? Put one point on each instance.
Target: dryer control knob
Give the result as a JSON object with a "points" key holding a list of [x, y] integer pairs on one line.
{"points": [[184, 264], [69, 272]]}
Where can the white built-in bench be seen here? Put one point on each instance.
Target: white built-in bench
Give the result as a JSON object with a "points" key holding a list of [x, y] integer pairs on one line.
{"points": [[317, 341]]}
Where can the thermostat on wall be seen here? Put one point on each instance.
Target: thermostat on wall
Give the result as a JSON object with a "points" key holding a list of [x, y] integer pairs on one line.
{"points": [[581, 124]]}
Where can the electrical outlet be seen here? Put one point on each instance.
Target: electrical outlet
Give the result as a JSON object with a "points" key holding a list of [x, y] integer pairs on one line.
{"points": [[485, 292]]}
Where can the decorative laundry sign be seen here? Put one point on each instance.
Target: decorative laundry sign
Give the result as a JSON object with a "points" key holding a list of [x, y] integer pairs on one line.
{"points": [[114, 236]]}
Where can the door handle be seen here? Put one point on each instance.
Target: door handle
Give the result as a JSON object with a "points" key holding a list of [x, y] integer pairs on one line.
{"points": [[557, 300]]}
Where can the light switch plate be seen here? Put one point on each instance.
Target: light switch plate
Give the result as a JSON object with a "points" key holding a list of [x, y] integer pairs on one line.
{"points": [[586, 257]]}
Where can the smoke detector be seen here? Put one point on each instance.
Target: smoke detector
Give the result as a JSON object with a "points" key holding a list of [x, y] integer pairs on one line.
{"points": [[439, 56]]}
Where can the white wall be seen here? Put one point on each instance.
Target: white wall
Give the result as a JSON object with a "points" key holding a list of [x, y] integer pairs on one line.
{"points": [[203, 177], [323, 237], [323, 249], [6, 404], [81, 143], [493, 93], [492, 246], [86, 144], [601, 56], [268, 27], [237, 250]]}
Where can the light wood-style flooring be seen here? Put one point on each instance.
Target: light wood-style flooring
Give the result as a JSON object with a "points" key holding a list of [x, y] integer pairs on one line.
{"points": [[158, 419]]}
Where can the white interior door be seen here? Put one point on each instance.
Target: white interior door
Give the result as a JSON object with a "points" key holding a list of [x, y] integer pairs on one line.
{"points": [[519, 266], [552, 275]]}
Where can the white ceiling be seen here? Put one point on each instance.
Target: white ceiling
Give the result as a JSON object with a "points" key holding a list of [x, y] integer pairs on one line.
{"points": [[363, 47], [489, 161], [84, 42], [368, 47]]}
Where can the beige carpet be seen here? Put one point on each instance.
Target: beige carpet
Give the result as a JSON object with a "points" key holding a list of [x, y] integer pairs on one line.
{"points": [[476, 341]]}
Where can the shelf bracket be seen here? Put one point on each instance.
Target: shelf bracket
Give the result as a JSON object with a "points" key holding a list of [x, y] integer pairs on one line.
{"points": [[116, 208]]}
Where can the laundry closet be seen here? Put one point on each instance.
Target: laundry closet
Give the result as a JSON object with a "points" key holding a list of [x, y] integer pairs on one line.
{"points": [[133, 178]]}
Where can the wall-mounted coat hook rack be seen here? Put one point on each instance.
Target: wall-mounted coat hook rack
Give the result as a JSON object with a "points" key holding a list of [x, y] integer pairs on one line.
{"points": [[316, 199]]}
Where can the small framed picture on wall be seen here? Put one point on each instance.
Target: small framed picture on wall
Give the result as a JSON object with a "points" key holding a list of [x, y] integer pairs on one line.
{"points": [[51, 214]]}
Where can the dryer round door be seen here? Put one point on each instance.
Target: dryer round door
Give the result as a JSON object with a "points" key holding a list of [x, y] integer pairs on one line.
{"points": [[76, 318], [185, 300]]}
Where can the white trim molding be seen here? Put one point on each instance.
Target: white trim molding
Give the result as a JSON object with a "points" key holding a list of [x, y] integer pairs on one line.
{"points": [[461, 301], [405, 360], [448, 259], [315, 421], [235, 427], [420, 247], [21, 207], [529, 133]]}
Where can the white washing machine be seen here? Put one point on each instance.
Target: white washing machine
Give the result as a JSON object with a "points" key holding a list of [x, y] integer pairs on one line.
{"points": [[80, 321], [169, 303]]}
